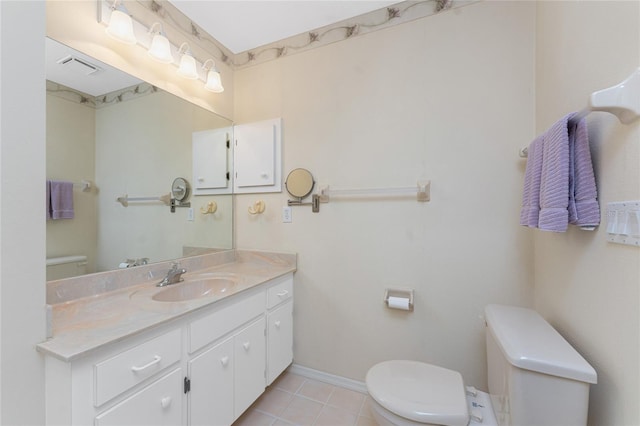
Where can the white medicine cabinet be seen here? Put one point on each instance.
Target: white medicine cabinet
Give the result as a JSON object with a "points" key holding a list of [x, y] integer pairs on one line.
{"points": [[243, 159]]}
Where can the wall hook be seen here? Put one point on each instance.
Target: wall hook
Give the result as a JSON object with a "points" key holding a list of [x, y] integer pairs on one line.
{"points": [[211, 208], [257, 208]]}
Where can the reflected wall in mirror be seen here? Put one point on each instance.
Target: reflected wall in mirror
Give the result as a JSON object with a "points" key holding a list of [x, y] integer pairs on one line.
{"points": [[130, 141]]}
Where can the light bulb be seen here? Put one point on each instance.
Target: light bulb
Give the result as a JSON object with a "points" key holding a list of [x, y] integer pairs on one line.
{"points": [[160, 49], [188, 67], [214, 83], [121, 27]]}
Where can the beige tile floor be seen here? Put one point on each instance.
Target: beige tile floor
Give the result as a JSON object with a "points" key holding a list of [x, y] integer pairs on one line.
{"points": [[296, 400]]}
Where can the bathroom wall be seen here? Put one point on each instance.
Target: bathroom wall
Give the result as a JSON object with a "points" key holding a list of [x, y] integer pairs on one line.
{"points": [[70, 140], [448, 98], [22, 223], [586, 287]]}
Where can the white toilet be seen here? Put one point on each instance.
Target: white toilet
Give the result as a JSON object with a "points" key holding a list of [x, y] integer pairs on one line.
{"points": [[535, 378]]}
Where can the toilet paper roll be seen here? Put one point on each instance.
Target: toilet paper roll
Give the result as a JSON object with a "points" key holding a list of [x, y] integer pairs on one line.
{"points": [[123, 265], [399, 303]]}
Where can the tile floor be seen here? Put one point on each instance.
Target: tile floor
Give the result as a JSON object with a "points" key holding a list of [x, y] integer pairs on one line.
{"points": [[296, 400]]}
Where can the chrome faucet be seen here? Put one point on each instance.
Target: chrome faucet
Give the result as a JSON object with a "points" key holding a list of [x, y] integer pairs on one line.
{"points": [[174, 275]]}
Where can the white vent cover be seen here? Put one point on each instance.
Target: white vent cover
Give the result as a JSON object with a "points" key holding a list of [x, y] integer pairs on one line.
{"points": [[79, 66]]}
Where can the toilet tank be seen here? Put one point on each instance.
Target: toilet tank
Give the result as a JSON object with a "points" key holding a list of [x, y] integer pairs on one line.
{"points": [[66, 267], [535, 376]]}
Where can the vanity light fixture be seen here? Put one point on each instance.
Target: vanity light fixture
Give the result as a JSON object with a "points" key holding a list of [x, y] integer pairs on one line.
{"points": [[214, 83], [160, 48], [120, 24], [187, 67]]}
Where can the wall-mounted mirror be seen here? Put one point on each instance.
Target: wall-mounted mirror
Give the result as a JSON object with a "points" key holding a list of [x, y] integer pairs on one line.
{"points": [[130, 139], [299, 183]]}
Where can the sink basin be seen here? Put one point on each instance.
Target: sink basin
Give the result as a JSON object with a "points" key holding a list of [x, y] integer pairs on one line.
{"points": [[189, 290]]}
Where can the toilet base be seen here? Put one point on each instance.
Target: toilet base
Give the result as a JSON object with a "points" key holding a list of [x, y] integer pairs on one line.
{"points": [[479, 404]]}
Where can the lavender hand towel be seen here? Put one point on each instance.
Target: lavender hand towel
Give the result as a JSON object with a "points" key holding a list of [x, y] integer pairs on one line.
{"points": [[61, 200], [48, 199], [532, 176], [554, 184], [584, 210]]}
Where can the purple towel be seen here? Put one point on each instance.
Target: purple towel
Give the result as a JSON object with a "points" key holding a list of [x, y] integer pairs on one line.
{"points": [[554, 184], [584, 210], [48, 199], [531, 194], [61, 200], [559, 185]]}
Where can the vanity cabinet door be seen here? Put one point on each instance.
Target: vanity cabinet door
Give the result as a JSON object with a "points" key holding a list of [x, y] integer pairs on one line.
{"points": [[279, 340], [211, 396], [250, 357], [158, 404]]}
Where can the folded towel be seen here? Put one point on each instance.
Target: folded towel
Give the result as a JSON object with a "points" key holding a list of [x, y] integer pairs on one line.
{"points": [[61, 200], [554, 183], [584, 210], [531, 194], [559, 185], [48, 199]]}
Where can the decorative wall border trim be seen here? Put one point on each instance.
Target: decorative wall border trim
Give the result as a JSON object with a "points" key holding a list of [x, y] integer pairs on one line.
{"points": [[174, 20], [122, 95], [369, 22]]}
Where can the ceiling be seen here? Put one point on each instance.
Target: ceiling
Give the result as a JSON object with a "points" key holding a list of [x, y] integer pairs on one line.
{"points": [[242, 25]]}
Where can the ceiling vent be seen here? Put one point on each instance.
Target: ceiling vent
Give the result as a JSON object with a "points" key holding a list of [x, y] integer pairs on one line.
{"points": [[78, 66]]}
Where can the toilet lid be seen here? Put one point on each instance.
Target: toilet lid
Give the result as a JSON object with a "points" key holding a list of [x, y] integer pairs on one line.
{"points": [[420, 392]]}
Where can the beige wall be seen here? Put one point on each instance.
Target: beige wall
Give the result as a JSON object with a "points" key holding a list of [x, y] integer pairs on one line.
{"points": [[70, 139], [22, 221], [447, 98], [586, 287]]}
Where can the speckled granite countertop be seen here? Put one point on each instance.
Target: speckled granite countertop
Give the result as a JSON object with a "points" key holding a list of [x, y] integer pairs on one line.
{"points": [[95, 310]]}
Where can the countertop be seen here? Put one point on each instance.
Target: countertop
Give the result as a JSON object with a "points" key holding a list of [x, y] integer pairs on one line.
{"points": [[84, 324]]}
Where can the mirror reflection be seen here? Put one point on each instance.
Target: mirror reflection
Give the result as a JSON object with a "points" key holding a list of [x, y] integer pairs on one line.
{"points": [[128, 139]]}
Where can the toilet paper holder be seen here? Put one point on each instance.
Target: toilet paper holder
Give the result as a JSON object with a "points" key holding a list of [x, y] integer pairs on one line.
{"points": [[403, 293]]}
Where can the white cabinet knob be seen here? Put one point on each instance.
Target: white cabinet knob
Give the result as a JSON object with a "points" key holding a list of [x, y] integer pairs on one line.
{"points": [[200, 179], [246, 345], [224, 361], [165, 402], [283, 294], [277, 324]]}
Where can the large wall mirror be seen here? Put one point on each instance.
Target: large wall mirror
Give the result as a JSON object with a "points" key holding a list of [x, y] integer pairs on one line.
{"points": [[126, 138]]}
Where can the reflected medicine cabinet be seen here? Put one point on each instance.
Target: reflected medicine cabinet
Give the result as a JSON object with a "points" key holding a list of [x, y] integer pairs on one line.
{"points": [[256, 158]]}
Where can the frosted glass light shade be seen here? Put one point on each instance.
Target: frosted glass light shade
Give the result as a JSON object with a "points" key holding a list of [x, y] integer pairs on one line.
{"points": [[121, 27], [160, 49], [214, 83], [188, 67]]}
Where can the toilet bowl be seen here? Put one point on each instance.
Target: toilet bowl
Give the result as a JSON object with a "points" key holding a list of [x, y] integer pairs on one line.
{"points": [[409, 393], [535, 377]]}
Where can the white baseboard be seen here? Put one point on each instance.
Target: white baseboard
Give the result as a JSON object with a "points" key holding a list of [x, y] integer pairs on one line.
{"points": [[331, 379]]}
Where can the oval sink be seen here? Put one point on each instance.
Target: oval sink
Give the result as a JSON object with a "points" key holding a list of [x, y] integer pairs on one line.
{"points": [[189, 290]]}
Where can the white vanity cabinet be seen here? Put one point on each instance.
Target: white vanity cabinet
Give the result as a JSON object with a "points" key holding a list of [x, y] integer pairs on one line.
{"points": [[279, 328], [205, 368]]}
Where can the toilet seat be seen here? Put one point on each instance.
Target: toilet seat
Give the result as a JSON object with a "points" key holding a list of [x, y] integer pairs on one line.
{"points": [[419, 392]]}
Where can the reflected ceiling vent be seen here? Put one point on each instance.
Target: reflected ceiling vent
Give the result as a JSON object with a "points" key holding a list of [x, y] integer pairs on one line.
{"points": [[79, 66]]}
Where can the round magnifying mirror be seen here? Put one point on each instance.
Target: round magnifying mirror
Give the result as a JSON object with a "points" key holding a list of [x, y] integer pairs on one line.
{"points": [[180, 189], [299, 183]]}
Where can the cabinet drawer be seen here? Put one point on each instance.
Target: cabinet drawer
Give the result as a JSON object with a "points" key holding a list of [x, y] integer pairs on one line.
{"points": [[156, 405], [127, 369], [280, 292], [215, 325]]}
